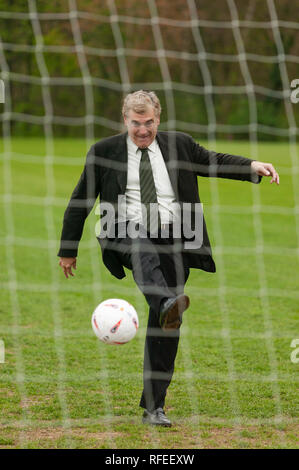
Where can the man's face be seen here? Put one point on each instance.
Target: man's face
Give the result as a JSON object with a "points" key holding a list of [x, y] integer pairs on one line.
{"points": [[142, 128]]}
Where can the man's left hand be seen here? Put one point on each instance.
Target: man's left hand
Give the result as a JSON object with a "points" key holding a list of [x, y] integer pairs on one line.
{"points": [[265, 169]]}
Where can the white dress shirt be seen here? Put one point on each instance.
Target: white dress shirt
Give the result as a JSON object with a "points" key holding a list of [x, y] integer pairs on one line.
{"points": [[165, 194]]}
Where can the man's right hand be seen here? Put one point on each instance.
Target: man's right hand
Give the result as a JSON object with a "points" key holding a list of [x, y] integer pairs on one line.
{"points": [[67, 264]]}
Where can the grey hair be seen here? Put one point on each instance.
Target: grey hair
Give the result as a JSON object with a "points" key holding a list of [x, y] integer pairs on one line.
{"points": [[139, 101]]}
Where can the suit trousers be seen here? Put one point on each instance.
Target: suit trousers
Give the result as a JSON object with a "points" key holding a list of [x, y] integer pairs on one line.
{"points": [[159, 272]]}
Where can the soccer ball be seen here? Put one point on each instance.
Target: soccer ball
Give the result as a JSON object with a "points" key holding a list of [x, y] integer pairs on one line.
{"points": [[115, 321]]}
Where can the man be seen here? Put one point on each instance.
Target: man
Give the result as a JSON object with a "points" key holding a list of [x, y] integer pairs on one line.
{"points": [[155, 174]]}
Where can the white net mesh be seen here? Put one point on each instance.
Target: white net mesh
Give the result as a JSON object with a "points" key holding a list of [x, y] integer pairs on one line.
{"points": [[108, 67]]}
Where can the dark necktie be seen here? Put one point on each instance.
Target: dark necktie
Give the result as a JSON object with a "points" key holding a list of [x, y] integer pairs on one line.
{"points": [[148, 191]]}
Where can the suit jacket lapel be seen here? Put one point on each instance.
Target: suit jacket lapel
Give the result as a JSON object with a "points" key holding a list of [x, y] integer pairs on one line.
{"points": [[121, 155], [167, 144]]}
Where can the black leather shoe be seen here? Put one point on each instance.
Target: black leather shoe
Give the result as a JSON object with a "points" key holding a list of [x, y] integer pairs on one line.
{"points": [[156, 418], [172, 311]]}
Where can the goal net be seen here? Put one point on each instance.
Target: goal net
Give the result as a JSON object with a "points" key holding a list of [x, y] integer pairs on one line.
{"points": [[225, 72]]}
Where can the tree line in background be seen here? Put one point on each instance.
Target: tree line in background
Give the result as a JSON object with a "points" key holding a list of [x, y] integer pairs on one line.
{"points": [[102, 61]]}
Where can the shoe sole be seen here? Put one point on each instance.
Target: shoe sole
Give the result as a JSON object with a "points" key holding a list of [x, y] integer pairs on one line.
{"points": [[164, 425], [173, 318]]}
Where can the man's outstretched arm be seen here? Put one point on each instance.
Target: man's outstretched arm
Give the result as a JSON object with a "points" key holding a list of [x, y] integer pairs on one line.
{"points": [[223, 165]]}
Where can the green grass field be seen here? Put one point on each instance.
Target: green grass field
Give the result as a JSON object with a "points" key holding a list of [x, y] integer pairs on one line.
{"points": [[234, 386]]}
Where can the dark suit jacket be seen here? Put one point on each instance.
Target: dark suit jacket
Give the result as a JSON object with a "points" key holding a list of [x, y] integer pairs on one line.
{"points": [[105, 175]]}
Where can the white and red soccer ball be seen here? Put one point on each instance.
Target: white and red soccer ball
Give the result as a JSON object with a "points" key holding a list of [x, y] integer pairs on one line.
{"points": [[115, 321]]}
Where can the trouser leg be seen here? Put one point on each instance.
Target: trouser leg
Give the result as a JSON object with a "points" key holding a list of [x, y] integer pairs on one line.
{"points": [[159, 275], [161, 347]]}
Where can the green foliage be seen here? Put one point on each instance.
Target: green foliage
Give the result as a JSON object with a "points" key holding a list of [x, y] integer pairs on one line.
{"points": [[102, 60], [69, 100]]}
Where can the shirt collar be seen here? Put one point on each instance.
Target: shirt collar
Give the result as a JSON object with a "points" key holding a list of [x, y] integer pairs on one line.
{"points": [[152, 147], [133, 147]]}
